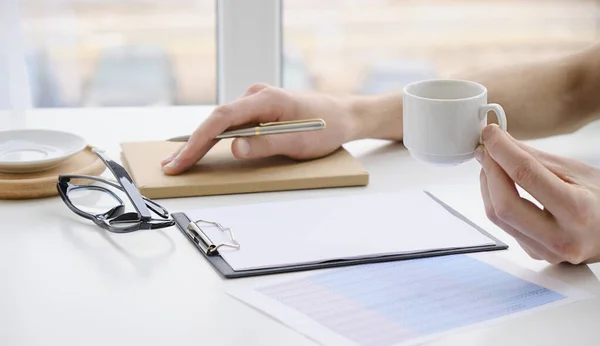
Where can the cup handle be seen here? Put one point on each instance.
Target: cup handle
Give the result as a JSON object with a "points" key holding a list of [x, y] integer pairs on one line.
{"points": [[500, 115]]}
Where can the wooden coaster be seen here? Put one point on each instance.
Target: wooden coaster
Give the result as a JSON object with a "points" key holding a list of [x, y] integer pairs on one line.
{"points": [[43, 184]]}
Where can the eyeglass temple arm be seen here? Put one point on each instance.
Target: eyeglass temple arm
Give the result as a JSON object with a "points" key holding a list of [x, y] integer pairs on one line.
{"points": [[125, 180]]}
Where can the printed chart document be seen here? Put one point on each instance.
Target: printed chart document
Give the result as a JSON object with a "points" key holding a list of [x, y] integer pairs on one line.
{"points": [[405, 302], [337, 228]]}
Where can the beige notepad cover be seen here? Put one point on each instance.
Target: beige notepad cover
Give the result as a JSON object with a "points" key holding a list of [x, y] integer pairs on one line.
{"points": [[219, 172]]}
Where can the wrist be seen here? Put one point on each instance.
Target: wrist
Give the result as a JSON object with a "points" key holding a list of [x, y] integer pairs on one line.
{"points": [[376, 117]]}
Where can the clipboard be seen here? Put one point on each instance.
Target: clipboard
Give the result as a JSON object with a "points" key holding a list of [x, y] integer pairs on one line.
{"points": [[210, 250]]}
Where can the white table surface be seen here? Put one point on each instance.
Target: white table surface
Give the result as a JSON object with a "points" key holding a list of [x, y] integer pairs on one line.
{"points": [[66, 282]]}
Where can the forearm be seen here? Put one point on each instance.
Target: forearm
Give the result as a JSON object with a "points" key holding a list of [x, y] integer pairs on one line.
{"points": [[546, 98], [540, 98]]}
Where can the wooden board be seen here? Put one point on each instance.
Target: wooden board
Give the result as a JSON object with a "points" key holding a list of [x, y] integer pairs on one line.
{"points": [[43, 184]]}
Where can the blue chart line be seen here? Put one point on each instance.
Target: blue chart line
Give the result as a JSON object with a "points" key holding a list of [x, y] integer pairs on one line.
{"points": [[386, 303]]}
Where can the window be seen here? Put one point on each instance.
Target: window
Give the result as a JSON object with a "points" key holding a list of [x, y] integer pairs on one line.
{"points": [[374, 46], [102, 53], [109, 53]]}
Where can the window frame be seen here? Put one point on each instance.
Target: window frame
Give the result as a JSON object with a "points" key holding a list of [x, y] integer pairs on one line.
{"points": [[14, 84], [249, 46]]}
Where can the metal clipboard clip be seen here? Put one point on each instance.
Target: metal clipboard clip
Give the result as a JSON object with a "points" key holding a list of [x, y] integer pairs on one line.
{"points": [[207, 245]]}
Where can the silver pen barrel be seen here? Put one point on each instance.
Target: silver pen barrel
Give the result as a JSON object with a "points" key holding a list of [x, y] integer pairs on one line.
{"points": [[273, 129], [267, 129]]}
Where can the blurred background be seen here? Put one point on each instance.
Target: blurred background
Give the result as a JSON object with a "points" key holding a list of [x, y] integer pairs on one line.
{"points": [[105, 53]]}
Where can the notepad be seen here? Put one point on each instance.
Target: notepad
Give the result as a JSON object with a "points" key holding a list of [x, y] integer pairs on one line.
{"points": [[321, 230], [220, 173]]}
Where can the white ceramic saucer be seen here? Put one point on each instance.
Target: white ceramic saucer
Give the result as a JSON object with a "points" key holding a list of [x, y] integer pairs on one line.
{"points": [[36, 150]]}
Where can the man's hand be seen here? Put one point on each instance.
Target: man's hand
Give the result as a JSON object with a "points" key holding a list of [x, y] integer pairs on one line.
{"points": [[263, 103], [567, 228]]}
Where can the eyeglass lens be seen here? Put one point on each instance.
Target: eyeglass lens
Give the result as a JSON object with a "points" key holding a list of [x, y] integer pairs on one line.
{"points": [[100, 199]]}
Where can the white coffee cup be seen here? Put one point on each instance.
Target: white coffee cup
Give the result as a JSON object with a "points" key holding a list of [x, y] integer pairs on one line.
{"points": [[443, 119]]}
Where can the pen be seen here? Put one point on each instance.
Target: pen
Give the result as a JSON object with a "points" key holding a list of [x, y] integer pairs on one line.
{"points": [[269, 128]]}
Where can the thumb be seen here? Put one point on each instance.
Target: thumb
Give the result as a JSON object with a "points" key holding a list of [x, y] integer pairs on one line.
{"points": [[260, 146]]}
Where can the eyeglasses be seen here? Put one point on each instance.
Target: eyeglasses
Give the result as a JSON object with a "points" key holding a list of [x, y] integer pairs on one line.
{"points": [[102, 202]]}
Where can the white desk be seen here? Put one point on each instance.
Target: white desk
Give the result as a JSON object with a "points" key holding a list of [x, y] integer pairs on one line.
{"points": [[66, 282]]}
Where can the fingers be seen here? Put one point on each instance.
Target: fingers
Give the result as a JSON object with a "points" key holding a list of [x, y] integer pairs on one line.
{"points": [[293, 145], [562, 239], [545, 158], [186, 157], [491, 212], [263, 104], [540, 155], [532, 247], [257, 147], [171, 157], [565, 168], [508, 205], [525, 170], [532, 253]]}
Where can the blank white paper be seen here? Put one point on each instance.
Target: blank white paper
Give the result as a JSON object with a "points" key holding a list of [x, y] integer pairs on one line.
{"points": [[321, 229]]}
